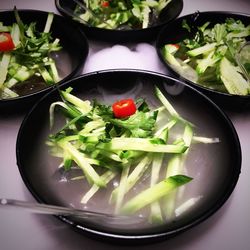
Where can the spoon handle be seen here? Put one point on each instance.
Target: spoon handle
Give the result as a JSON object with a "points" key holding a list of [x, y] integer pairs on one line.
{"points": [[50, 209], [66, 211]]}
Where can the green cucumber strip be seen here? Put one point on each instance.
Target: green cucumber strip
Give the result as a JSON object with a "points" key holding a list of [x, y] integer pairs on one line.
{"points": [[205, 139], [83, 106], [107, 177], [121, 189], [155, 210], [145, 13], [23, 73], [15, 34], [186, 205], [134, 176], [46, 75], [169, 203], [171, 58], [166, 103], [48, 23], [155, 216], [175, 166], [188, 135], [112, 156], [154, 193], [167, 126], [92, 125], [83, 164], [202, 50], [156, 166], [234, 82], [20, 25], [4, 28], [52, 109], [8, 93], [140, 144], [10, 83], [162, 4], [4, 64], [169, 106], [54, 72], [67, 161]]}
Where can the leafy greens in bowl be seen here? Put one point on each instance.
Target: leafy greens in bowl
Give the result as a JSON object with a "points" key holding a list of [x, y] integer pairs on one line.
{"points": [[121, 21], [36, 55], [205, 53], [89, 156]]}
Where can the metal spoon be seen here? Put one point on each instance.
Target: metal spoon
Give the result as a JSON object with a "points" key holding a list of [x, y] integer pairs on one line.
{"points": [[243, 57], [66, 211]]}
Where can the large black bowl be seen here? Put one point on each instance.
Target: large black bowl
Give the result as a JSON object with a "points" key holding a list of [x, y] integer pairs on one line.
{"points": [[69, 60], [173, 32], [172, 10], [214, 167]]}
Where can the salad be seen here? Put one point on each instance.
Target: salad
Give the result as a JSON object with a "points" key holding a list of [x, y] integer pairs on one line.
{"points": [[210, 58], [130, 142], [25, 57], [121, 14]]}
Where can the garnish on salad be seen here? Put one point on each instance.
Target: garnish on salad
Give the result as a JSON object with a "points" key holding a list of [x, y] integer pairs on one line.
{"points": [[124, 108], [141, 147], [210, 57], [25, 57], [115, 14]]}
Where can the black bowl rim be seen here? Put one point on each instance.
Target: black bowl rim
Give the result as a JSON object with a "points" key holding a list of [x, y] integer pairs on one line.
{"points": [[200, 87], [72, 74], [60, 9], [151, 237]]}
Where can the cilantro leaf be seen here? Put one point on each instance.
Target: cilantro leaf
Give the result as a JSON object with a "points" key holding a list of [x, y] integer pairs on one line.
{"points": [[140, 124]]}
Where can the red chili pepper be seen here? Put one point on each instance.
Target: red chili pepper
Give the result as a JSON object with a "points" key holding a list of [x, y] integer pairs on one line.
{"points": [[105, 4], [124, 108], [176, 45], [6, 42]]}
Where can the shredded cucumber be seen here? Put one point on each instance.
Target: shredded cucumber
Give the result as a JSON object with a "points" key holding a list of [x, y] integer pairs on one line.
{"points": [[154, 193], [124, 14], [209, 58], [30, 58], [106, 151]]}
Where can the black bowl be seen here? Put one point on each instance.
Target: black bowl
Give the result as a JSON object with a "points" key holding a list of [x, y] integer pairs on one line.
{"points": [[172, 10], [173, 32], [214, 167], [70, 59]]}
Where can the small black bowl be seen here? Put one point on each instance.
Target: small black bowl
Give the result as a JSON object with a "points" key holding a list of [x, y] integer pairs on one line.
{"points": [[215, 168], [173, 33], [172, 10], [70, 59]]}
